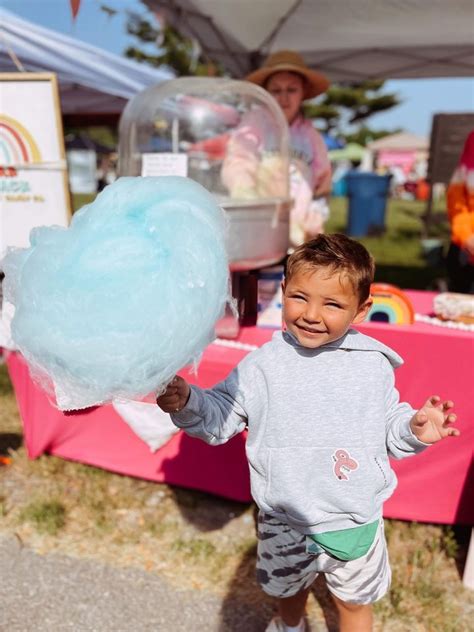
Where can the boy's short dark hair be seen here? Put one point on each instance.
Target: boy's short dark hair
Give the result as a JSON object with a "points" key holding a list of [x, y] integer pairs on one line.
{"points": [[339, 253]]}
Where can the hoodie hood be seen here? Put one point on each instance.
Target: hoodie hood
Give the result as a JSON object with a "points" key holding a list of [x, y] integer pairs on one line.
{"points": [[352, 340]]}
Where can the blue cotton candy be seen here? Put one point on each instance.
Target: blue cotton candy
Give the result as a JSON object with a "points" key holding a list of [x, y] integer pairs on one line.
{"points": [[113, 306]]}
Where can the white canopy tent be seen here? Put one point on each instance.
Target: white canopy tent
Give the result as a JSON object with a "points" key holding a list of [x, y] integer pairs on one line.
{"points": [[348, 41], [92, 81]]}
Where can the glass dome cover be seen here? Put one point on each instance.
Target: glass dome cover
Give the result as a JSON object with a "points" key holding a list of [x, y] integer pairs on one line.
{"points": [[203, 119], [231, 137]]}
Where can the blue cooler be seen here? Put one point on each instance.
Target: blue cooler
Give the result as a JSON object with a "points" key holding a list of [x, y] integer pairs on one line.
{"points": [[367, 194]]}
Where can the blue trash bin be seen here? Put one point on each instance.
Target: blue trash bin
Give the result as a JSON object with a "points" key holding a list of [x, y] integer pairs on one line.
{"points": [[367, 194]]}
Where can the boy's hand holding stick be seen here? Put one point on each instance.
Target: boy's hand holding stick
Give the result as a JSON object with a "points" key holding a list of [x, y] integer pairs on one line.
{"points": [[175, 397]]}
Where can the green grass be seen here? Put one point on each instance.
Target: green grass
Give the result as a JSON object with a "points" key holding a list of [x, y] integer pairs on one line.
{"points": [[5, 384], [48, 516], [398, 252], [80, 199], [195, 547]]}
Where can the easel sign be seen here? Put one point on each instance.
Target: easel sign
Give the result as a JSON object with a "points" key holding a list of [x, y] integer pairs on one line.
{"points": [[33, 172]]}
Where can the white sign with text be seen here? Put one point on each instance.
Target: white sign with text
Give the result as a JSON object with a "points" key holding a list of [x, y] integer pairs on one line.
{"points": [[164, 164]]}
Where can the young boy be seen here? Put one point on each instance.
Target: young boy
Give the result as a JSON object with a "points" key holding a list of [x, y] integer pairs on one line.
{"points": [[323, 416]]}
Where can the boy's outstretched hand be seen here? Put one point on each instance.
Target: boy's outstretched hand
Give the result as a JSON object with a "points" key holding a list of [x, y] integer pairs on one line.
{"points": [[175, 397], [433, 421]]}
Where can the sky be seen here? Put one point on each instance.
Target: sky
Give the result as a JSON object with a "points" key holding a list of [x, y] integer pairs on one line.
{"points": [[421, 98]]}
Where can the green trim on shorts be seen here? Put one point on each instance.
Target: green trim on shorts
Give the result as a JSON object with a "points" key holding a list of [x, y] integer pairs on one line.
{"points": [[345, 544]]}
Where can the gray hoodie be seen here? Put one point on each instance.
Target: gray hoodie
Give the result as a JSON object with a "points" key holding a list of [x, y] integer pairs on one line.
{"points": [[321, 425]]}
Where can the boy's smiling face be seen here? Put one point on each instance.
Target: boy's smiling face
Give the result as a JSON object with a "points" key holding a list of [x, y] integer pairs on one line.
{"points": [[320, 305]]}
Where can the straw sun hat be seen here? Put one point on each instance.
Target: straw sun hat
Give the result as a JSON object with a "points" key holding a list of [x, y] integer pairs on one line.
{"points": [[290, 61]]}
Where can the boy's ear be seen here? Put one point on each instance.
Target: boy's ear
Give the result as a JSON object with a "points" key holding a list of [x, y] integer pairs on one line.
{"points": [[363, 310], [283, 286]]}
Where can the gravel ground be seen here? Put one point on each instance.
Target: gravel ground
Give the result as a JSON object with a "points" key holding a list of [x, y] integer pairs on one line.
{"points": [[56, 593]]}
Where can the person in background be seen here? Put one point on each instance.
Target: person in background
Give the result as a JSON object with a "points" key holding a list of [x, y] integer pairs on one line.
{"points": [[287, 78], [460, 203]]}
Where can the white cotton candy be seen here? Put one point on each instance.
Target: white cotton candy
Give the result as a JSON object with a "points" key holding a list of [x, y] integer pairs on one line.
{"points": [[116, 304]]}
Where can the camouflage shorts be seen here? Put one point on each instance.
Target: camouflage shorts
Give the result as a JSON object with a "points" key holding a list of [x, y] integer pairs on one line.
{"points": [[284, 567]]}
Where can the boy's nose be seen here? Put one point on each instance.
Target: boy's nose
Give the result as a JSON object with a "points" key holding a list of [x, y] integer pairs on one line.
{"points": [[311, 315]]}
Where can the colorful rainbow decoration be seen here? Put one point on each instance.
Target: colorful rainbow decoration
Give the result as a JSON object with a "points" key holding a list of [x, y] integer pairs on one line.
{"points": [[17, 145], [391, 305]]}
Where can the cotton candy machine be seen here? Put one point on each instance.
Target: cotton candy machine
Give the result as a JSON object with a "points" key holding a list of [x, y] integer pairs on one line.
{"points": [[231, 137]]}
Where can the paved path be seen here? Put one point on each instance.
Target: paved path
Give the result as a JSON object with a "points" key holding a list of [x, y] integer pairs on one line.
{"points": [[56, 593]]}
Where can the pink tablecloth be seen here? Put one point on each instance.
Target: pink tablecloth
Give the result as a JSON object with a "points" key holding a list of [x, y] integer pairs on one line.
{"points": [[433, 487]]}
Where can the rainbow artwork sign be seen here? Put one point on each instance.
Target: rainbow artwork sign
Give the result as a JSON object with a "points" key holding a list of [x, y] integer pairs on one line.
{"points": [[33, 172], [390, 305], [17, 145]]}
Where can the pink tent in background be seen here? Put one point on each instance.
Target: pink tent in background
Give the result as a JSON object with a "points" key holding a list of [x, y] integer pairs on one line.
{"points": [[404, 159], [403, 150]]}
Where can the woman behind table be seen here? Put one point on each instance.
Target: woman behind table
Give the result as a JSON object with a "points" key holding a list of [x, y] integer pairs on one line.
{"points": [[286, 77], [460, 201]]}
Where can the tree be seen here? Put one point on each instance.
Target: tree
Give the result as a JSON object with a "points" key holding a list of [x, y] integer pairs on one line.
{"points": [[180, 53], [352, 105], [365, 135]]}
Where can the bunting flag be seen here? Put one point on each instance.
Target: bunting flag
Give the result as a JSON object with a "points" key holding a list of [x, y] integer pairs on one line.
{"points": [[74, 7]]}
